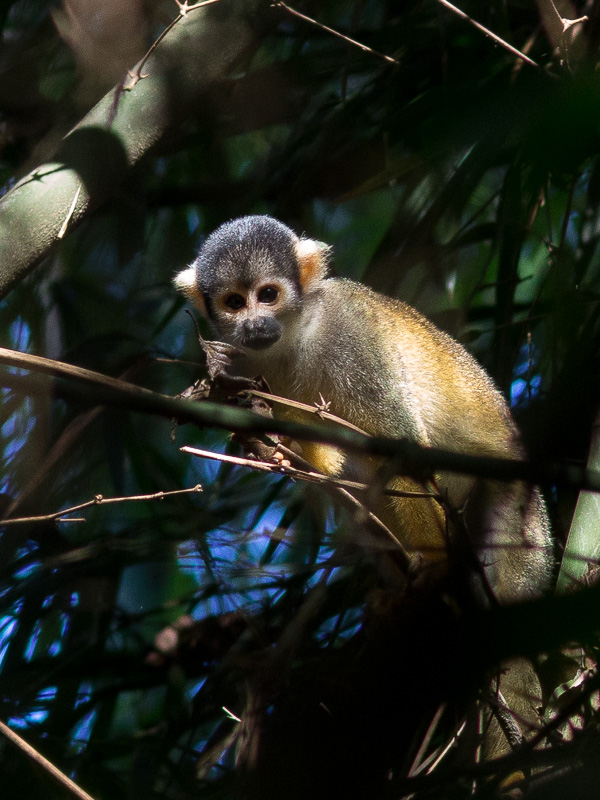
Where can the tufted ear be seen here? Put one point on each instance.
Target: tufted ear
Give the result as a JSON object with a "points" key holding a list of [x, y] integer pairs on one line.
{"points": [[312, 261], [185, 282]]}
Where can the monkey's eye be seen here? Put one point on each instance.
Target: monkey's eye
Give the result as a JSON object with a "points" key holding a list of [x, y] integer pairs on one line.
{"points": [[268, 294], [235, 301]]}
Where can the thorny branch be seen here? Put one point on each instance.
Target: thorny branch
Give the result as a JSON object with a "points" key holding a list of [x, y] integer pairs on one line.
{"points": [[361, 46], [409, 458], [566, 24], [489, 33], [321, 412], [133, 77]]}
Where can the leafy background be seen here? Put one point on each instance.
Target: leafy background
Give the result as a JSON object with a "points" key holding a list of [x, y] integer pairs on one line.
{"points": [[462, 180]]}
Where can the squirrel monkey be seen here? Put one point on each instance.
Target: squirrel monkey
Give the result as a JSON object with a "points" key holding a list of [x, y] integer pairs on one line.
{"points": [[386, 369]]}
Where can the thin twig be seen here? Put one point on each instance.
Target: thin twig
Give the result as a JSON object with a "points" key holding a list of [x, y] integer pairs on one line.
{"points": [[318, 410], [489, 33], [566, 23], [443, 751], [231, 715], [136, 75], [303, 475], [33, 754], [363, 47], [65, 224], [97, 501], [417, 763], [335, 487]]}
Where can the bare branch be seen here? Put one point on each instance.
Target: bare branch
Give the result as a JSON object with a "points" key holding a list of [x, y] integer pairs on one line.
{"points": [[284, 401], [135, 76], [489, 33], [363, 47], [336, 487], [97, 501], [300, 474], [39, 759], [564, 21], [409, 457]]}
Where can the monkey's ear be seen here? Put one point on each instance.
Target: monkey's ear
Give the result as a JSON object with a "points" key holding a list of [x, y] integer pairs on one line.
{"points": [[185, 282], [312, 261]]}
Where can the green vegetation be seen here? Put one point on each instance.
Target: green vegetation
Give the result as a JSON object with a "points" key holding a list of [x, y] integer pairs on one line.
{"points": [[461, 178]]}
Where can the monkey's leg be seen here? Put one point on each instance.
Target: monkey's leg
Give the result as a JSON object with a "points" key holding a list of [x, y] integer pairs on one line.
{"points": [[418, 522]]}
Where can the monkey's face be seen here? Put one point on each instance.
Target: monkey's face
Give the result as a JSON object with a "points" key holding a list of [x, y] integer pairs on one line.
{"points": [[250, 280], [253, 316]]}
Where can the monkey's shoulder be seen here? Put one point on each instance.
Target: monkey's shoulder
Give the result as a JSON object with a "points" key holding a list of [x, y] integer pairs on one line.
{"points": [[398, 324], [443, 384]]}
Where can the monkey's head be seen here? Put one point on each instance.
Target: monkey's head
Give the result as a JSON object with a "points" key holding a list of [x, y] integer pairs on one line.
{"points": [[250, 279]]}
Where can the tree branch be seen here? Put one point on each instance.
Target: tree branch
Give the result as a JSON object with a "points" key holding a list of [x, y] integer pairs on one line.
{"points": [[409, 458], [488, 33], [39, 759]]}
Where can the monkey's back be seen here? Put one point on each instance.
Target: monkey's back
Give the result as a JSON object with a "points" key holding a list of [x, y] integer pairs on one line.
{"points": [[393, 373]]}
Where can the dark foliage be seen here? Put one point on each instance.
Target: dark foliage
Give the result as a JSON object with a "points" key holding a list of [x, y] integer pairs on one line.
{"points": [[462, 180]]}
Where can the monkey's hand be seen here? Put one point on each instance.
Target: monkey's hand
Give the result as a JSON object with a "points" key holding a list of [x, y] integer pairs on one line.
{"points": [[218, 354]]}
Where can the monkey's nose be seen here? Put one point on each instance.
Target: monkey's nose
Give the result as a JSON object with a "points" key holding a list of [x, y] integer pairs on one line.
{"points": [[260, 333]]}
